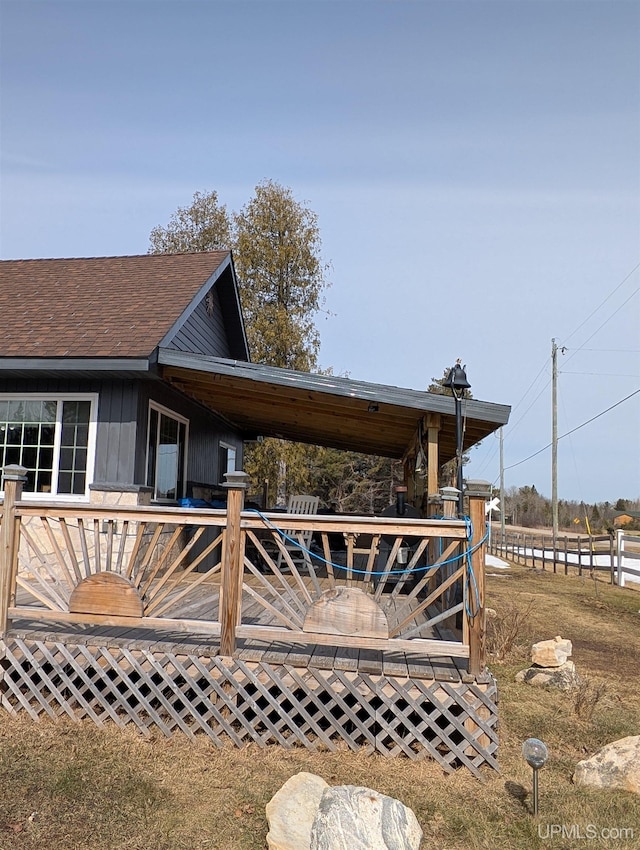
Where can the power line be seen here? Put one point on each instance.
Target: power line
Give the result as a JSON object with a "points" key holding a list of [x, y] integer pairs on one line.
{"points": [[598, 329], [608, 350], [593, 312], [600, 374], [573, 430]]}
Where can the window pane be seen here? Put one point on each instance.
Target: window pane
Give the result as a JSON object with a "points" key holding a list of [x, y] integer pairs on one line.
{"points": [[4, 411], [47, 435], [12, 455], [68, 436], [16, 411], [78, 486], [32, 411], [49, 411], [30, 457], [45, 458], [66, 459], [14, 434], [31, 435], [43, 481], [64, 482]]}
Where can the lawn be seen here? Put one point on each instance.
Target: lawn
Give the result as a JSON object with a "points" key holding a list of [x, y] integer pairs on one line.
{"points": [[74, 787]]}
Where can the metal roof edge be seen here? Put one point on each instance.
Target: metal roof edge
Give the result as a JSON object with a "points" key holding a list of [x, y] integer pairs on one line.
{"points": [[75, 364], [346, 387]]}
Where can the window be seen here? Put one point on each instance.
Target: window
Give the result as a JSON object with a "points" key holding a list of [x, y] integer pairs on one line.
{"points": [[166, 453], [226, 459], [53, 437]]}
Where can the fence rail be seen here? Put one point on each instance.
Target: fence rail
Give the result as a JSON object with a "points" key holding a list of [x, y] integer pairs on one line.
{"points": [[617, 555]]}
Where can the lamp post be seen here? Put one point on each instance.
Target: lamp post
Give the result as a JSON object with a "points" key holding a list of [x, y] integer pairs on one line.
{"points": [[457, 382]]}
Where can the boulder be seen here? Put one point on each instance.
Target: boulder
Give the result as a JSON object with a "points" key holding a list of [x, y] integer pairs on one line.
{"points": [[615, 766], [551, 653], [354, 818], [564, 677], [291, 811]]}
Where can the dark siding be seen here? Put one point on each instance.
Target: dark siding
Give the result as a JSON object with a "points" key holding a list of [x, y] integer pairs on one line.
{"points": [[205, 432], [117, 426], [203, 333]]}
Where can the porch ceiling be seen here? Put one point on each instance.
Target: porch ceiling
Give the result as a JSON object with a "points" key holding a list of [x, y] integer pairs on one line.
{"points": [[322, 409]]}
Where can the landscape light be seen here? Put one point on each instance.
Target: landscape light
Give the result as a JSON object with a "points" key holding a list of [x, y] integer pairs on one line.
{"points": [[535, 753]]}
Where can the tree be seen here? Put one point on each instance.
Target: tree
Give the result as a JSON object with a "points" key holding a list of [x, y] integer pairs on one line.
{"points": [[204, 226], [276, 244], [356, 483]]}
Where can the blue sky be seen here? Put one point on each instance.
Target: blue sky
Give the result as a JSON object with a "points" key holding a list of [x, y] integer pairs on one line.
{"points": [[475, 167]]}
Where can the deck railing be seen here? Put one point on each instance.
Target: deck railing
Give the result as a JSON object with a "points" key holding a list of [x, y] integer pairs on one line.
{"points": [[364, 582]]}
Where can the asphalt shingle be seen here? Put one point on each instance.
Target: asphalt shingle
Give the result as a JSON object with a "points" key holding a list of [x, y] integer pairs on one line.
{"points": [[97, 307]]}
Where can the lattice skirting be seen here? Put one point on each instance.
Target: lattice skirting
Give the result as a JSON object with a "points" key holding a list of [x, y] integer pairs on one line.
{"points": [[250, 701]]}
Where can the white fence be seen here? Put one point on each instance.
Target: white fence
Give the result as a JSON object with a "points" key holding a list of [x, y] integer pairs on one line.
{"points": [[627, 560], [620, 556]]}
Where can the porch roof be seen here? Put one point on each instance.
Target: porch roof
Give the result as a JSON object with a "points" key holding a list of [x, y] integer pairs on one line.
{"points": [[324, 409]]}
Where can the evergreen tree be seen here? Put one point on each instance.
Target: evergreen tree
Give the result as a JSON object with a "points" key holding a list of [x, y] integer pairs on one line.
{"points": [[281, 277]]}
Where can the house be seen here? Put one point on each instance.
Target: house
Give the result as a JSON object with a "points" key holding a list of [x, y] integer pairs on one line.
{"points": [[623, 518], [82, 402], [128, 380]]}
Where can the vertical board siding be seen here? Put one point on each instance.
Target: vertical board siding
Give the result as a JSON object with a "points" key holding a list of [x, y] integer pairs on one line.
{"points": [[203, 333], [115, 456]]}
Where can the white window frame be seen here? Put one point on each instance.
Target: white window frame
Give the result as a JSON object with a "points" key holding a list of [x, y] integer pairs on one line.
{"points": [[91, 443], [232, 451], [171, 414]]}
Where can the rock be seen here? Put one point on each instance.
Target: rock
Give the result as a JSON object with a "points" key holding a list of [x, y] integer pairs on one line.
{"points": [[615, 766], [551, 653], [291, 811], [353, 818], [564, 677]]}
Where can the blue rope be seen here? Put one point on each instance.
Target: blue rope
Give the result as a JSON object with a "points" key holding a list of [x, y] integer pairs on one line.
{"points": [[409, 571]]}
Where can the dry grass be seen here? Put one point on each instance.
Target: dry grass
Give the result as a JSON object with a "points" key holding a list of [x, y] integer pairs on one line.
{"points": [[68, 787]]}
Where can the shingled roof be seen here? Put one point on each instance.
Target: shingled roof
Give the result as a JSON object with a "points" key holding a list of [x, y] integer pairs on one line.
{"points": [[98, 307]]}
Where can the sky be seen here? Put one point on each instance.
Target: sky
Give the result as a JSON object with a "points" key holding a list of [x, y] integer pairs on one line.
{"points": [[475, 169]]}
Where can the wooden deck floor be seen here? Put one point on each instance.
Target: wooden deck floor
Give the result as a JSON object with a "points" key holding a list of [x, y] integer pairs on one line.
{"points": [[374, 662]]}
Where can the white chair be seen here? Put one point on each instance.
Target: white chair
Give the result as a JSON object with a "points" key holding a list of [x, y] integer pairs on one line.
{"points": [[301, 504]]}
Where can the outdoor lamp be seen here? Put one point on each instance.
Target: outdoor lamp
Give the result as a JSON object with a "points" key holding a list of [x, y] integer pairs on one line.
{"points": [[457, 382], [535, 753]]}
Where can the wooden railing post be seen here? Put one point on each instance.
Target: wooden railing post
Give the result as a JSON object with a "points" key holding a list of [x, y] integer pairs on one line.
{"points": [[232, 563], [13, 478], [478, 492]]}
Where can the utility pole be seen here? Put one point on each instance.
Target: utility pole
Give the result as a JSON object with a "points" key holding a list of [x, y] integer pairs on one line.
{"points": [[554, 441], [502, 502]]}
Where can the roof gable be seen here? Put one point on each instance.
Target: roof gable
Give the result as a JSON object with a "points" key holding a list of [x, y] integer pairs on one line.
{"points": [[105, 306]]}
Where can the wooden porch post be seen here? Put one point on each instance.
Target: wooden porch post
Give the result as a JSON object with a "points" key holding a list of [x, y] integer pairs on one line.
{"points": [[433, 430], [232, 563], [478, 492], [13, 477]]}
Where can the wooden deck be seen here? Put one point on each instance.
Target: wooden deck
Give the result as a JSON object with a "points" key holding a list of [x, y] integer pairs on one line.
{"points": [[203, 623], [318, 697]]}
